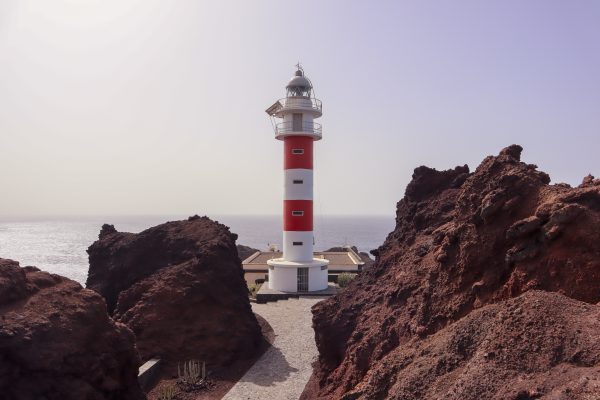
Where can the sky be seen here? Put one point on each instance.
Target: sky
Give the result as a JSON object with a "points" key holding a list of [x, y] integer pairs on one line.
{"points": [[149, 107]]}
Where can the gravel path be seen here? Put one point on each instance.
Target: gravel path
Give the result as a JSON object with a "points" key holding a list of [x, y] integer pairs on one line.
{"points": [[283, 371]]}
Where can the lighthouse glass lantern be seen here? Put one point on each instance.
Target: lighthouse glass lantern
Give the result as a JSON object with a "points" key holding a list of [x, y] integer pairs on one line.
{"points": [[297, 270]]}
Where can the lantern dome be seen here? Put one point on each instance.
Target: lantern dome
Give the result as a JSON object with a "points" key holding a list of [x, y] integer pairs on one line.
{"points": [[299, 85]]}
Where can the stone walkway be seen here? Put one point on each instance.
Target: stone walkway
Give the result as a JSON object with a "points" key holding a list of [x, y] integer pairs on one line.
{"points": [[283, 371]]}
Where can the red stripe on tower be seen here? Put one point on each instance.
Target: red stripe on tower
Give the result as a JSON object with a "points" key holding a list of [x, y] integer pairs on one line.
{"points": [[298, 215], [298, 152]]}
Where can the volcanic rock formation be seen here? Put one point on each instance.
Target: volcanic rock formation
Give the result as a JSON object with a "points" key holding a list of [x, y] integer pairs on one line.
{"points": [[462, 241], [245, 251], [58, 342], [179, 286], [365, 257]]}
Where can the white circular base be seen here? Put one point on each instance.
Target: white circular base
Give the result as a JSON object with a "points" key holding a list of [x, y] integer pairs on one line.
{"points": [[284, 275]]}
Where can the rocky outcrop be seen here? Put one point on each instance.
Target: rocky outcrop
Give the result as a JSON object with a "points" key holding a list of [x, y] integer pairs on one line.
{"points": [[179, 287], [365, 257], [462, 241], [537, 345], [245, 251], [58, 342]]}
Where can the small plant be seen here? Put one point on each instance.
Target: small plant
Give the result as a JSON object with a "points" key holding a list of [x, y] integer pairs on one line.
{"points": [[167, 392], [344, 279], [253, 288], [193, 377], [193, 373]]}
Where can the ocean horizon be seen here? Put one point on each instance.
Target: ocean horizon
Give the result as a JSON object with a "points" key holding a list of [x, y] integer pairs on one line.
{"points": [[58, 244]]}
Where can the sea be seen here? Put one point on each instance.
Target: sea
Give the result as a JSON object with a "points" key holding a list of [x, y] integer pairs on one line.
{"points": [[58, 244]]}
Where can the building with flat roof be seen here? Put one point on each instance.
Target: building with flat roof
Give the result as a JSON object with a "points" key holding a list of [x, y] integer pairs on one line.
{"points": [[256, 268]]}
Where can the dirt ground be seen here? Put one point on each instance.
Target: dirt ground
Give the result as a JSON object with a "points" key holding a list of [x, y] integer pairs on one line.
{"points": [[222, 380]]}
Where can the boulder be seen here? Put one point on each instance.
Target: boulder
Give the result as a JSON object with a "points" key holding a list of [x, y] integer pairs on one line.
{"points": [[365, 257], [179, 287], [537, 345], [245, 251], [58, 342]]}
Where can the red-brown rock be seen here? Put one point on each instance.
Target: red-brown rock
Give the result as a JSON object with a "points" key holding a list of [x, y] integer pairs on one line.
{"points": [[365, 258], [179, 286], [245, 251], [58, 342], [537, 344], [462, 240]]}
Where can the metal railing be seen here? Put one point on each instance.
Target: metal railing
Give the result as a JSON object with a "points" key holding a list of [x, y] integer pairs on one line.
{"points": [[301, 103], [311, 128]]}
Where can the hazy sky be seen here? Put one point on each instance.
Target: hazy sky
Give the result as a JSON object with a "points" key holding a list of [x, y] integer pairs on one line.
{"points": [[157, 107]]}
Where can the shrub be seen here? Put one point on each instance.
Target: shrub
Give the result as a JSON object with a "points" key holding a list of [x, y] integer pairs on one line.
{"points": [[192, 373], [166, 392], [253, 288], [344, 279], [193, 377]]}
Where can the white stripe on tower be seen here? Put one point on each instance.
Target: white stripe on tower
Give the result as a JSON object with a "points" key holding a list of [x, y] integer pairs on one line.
{"points": [[298, 184]]}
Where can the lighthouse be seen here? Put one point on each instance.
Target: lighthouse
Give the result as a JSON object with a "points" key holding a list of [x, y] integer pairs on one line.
{"points": [[294, 124]]}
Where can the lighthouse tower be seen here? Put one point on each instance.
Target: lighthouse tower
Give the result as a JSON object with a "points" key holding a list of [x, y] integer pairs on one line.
{"points": [[297, 270]]}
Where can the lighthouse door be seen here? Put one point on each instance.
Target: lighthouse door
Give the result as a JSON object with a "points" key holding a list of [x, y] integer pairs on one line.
{"points": [[297, 122], [303, 279]]}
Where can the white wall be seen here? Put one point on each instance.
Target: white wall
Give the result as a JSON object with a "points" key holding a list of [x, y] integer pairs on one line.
{"points": [[307, 120], [302, 253], [302, 191], [288, 118], [284, 279], [317, 278]]}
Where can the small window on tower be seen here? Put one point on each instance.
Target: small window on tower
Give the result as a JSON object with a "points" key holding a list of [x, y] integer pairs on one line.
{"points": [[297, 213], [297, 243], [297, 151], [298, 181]]}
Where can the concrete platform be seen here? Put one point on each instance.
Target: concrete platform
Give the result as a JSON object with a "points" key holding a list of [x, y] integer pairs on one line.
{"points": [[284, 369], [148, 372], [266, 295]]}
